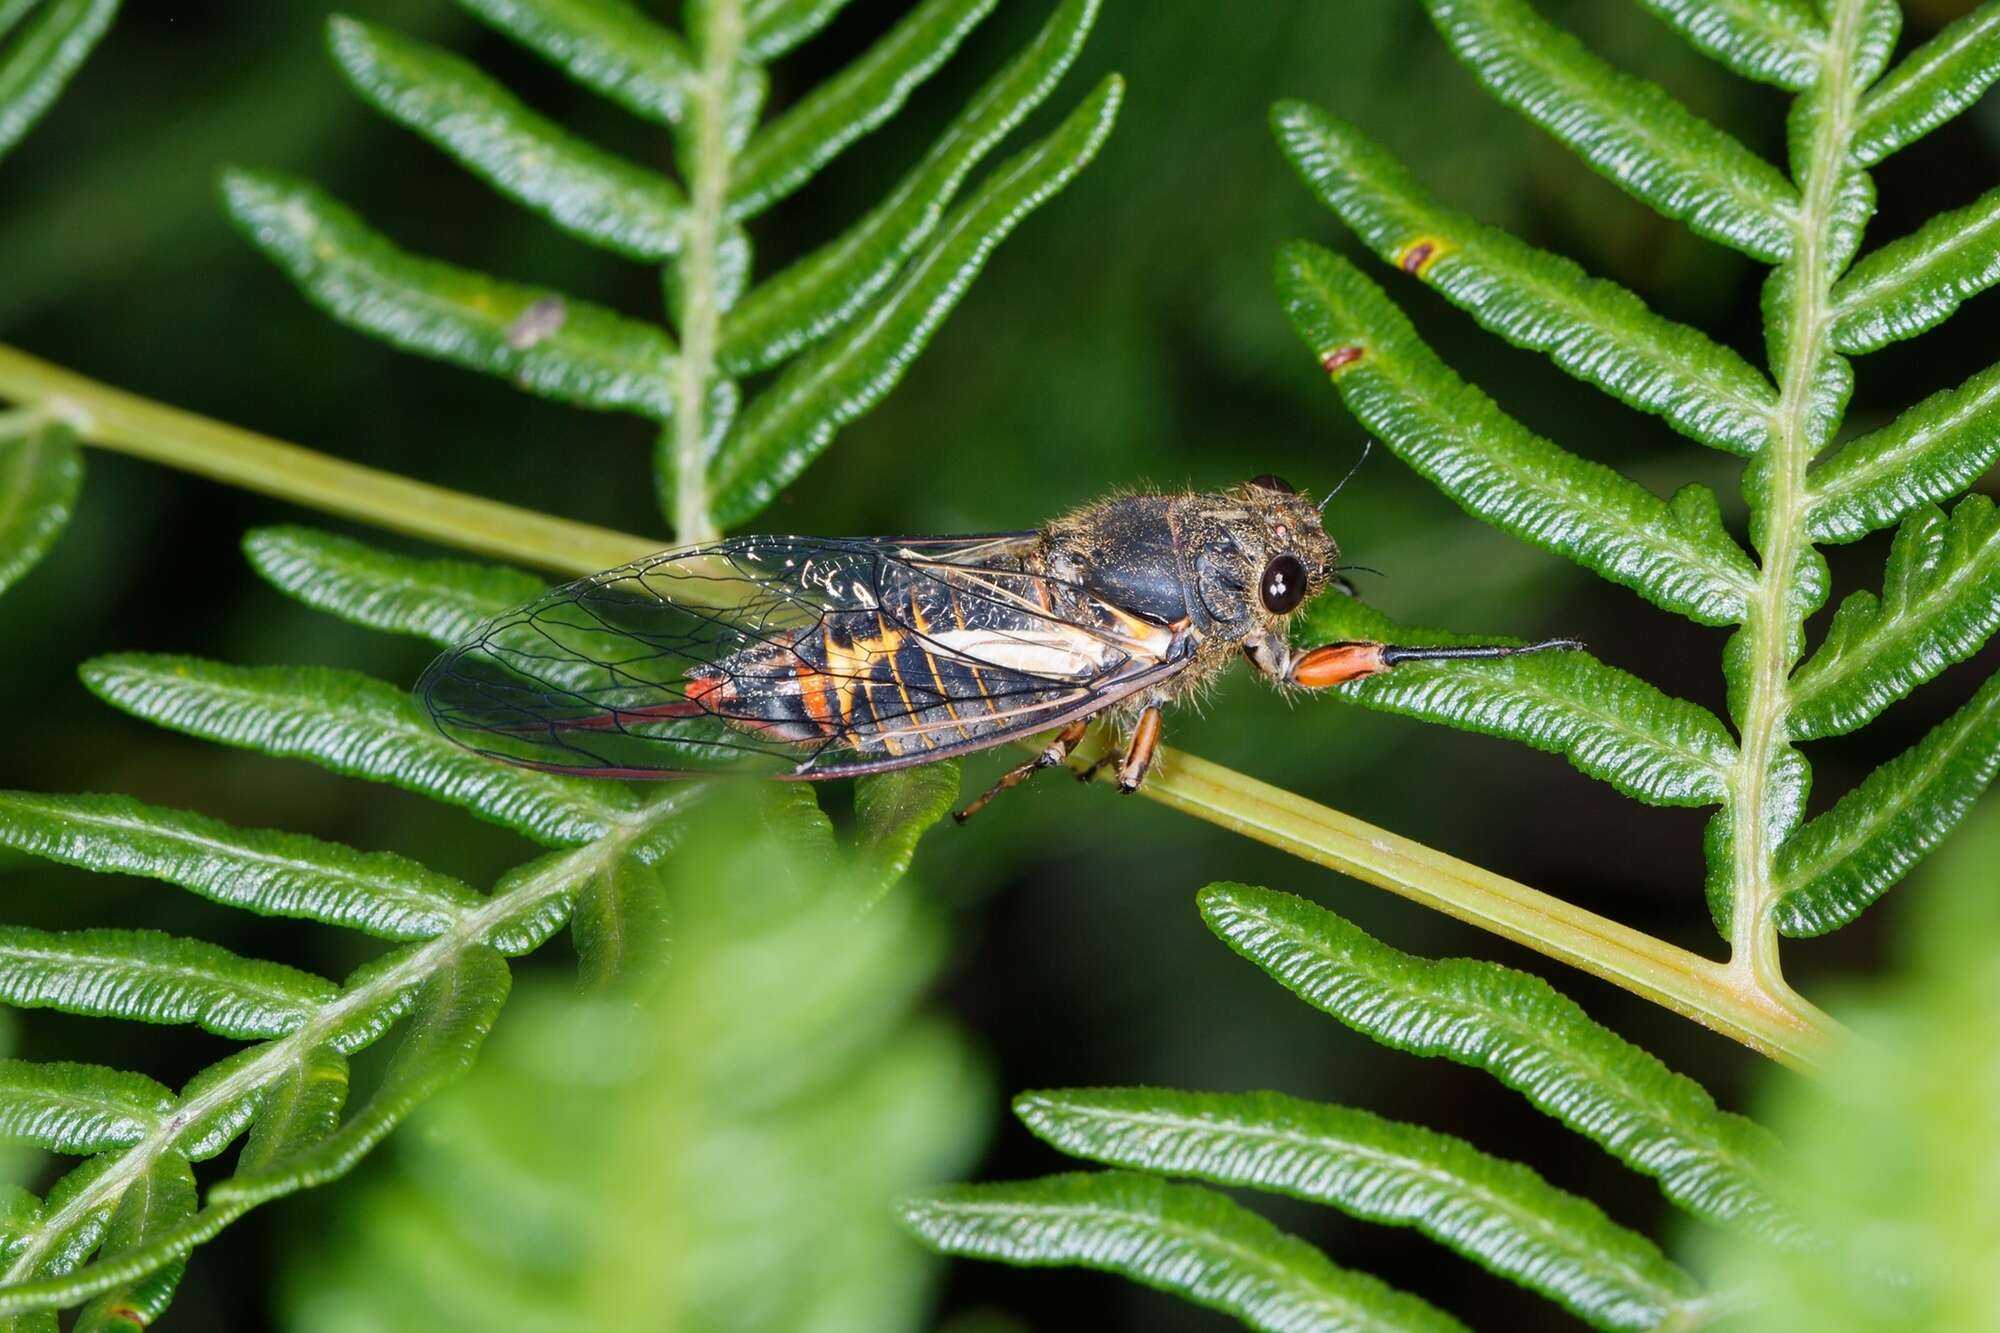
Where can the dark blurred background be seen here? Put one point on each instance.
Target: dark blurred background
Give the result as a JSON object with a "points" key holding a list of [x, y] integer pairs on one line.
{"points": [[1127, 334]]}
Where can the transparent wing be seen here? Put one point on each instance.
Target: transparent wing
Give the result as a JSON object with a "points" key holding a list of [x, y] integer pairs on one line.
{"points": [[795, 657]]}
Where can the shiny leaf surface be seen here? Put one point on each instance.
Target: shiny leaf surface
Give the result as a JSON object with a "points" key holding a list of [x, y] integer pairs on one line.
{"points": [[861, 97], [1916, 283], [42, 57], [152, 977], [590, 356], [1519, 1029], [1179, 1238], [1929, 453], [1608, 723], [1497, 1213], [1674, 553], [1843, 860], [1595, 330], [264, 870], [589, 193], [441, 601], [1935, 82], [1940, 602], [41, 470], [353, 725], [786, 427], [1628, 129]]}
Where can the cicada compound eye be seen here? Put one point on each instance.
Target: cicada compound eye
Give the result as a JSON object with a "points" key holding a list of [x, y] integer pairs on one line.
{"points": [[1283, 586], [1268, 482]]}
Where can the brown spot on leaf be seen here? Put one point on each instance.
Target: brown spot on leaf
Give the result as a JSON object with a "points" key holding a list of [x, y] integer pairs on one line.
{"points": [[1417, 256], [1339, 357]]}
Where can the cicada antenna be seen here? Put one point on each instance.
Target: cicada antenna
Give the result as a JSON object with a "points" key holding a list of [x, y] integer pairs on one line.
{"points": [[1366, 445]]}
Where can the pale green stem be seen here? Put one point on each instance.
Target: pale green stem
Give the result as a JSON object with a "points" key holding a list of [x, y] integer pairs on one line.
{"points": [[1785, 1028], [1779, 1025], [556, 878], [701, 304], [1771, 628], [25, 420], [145, 429]]}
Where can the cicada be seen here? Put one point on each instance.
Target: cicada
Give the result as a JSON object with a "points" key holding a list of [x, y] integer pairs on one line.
{"points": [[808, 657]]}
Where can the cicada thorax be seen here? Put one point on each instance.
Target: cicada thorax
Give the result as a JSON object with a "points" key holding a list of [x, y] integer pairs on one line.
{"points": [[944, 656]]}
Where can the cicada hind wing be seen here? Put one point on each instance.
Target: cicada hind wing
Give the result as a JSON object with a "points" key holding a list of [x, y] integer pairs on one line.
{"points": [[634, 672]]}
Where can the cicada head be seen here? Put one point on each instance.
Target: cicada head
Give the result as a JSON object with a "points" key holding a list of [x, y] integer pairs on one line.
{"points": [[1265, 554]]}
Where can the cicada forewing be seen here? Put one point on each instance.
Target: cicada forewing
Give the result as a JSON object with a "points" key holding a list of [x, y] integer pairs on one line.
{"points": [[794, 657]]}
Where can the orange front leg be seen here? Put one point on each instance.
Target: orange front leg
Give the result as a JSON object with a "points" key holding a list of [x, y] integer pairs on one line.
{"points": [[1338, 663]]}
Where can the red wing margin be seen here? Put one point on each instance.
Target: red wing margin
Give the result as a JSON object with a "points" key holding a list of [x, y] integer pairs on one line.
{"points": [[792, 657]]}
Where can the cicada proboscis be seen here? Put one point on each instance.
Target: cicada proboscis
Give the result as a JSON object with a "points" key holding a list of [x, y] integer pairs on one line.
{"points": [[810, 658]]}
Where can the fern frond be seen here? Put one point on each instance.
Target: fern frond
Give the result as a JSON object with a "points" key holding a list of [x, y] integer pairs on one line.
{"points": [[153, 977], [42, 57], [1931, 452], [1522, 1031], [594, 195], [1917, 282], [1773, 41], [792, 148], [264, 870], [1940, 602], [1608, 723], [1674, 553], [591, 357], [1629, 130], [815, 295], [1179, 1238], [1839, 862], [758, 1123], [1496, 1213], [116, 1231], [1595, 330], [786, 428], [79, 1109], [1820, 308], [605, 45], [41, 471], [441, 601], [873, 297], [1935, 82], [354, 725]]}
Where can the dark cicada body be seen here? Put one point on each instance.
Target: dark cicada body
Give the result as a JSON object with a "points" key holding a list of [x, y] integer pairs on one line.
{"points": [[810, 658]]}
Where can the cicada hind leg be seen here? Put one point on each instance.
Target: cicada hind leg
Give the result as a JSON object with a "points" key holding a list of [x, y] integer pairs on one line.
{"points": [[1058, 752]]}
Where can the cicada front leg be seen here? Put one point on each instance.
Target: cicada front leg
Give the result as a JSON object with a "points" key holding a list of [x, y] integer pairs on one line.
{"points": [[1338, 663]]}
